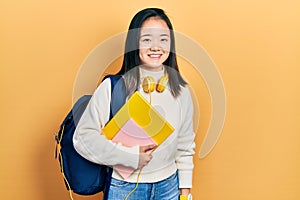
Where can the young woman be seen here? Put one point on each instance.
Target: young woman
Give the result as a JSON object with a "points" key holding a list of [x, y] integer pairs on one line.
{"points": [[167, 171]]}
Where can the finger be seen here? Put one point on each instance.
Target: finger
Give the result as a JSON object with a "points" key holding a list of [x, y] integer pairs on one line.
{"points": [[143, 149], [150, 158], [150, 147]]}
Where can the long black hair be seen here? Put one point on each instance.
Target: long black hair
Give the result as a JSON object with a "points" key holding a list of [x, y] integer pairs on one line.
{"points": [[131, 59]]}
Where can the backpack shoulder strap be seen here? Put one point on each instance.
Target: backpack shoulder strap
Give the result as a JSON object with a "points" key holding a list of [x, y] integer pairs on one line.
{"points": [[118, 94], [118, 98]]}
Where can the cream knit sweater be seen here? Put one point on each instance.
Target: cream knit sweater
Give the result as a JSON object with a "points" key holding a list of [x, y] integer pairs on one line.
{"points": [[175, 153]]}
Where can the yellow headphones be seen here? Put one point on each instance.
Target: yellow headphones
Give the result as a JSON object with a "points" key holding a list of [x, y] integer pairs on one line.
{"points": [[149, 84]]}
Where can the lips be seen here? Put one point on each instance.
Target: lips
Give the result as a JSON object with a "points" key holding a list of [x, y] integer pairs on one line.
{"points": [[154, 55]]}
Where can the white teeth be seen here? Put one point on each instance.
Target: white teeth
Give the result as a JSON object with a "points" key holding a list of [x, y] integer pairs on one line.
{"points": [[154, 55]]}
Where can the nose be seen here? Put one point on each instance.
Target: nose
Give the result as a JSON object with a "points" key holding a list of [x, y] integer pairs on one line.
{"points": [[155, 45], [155, 48]]}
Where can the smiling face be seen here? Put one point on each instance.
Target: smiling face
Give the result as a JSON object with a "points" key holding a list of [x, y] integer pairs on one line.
{"points": [[154, 44]]}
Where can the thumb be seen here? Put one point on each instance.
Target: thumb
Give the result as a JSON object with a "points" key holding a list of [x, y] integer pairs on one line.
{"points": [[144, 149], [149, 147]]}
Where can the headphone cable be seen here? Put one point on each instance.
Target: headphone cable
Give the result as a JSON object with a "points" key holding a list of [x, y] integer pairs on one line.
{"points": [[136, 185]]}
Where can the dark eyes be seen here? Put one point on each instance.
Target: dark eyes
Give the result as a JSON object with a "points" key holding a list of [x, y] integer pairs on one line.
{"points": [[149, 40], [146, 40]]}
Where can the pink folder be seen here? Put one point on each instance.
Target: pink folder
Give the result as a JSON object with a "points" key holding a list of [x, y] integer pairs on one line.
{"points": [[131, 134]]}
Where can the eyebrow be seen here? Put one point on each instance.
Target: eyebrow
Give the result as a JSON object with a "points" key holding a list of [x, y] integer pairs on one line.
{"points": [[165, 35], [147, 34]]}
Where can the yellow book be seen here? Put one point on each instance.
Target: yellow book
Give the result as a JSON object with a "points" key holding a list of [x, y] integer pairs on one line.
{"points": [[138, 109]]}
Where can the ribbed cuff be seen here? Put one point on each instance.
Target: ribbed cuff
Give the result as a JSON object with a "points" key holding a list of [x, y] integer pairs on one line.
{"points": [[185, 179], [130, 156]]}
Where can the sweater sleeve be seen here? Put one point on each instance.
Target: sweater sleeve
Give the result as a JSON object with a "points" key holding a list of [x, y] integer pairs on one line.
{"points": [[88, 139], [186, 144]]}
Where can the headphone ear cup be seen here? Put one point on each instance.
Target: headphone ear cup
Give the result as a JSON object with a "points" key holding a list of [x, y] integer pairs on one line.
{"points": [[148, 84], [162, 84]]}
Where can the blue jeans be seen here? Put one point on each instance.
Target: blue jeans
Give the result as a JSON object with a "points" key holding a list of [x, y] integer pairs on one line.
{"points": [[167, 189]]}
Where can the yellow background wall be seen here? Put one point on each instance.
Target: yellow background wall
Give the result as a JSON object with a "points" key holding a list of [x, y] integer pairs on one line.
{"points": [[255, 45]]}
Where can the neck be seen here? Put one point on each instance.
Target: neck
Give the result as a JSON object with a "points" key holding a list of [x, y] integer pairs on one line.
{"points": [[153, 69]]}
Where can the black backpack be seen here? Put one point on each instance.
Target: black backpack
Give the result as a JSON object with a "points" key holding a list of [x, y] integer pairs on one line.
{"points": [[80, 175]]}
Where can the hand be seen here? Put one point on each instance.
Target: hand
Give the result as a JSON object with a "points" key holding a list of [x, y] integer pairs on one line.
{"points": [[145, 155], [184, 191]]}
